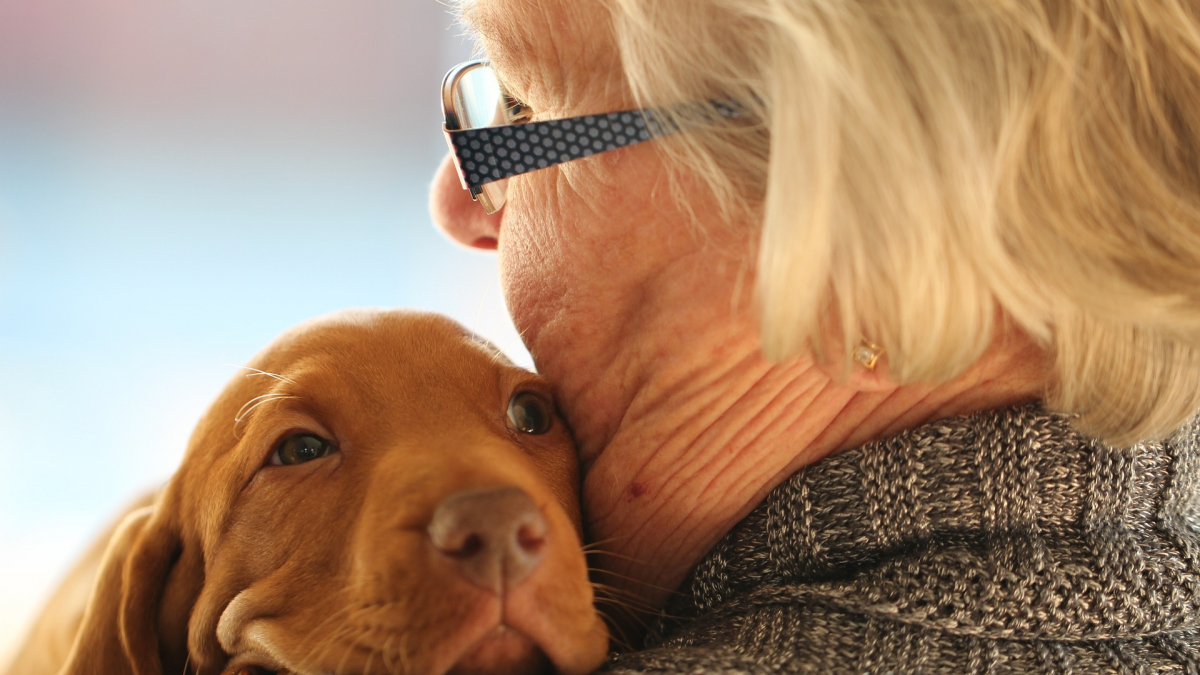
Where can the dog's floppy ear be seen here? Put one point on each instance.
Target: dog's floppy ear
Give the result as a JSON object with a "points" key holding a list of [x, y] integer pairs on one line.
{"points": [[119, 634]]}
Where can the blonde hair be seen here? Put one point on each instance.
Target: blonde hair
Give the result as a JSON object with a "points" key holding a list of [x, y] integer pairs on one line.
{"points": [[920, 164]]}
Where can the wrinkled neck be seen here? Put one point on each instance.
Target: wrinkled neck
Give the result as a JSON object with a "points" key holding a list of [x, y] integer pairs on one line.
{"points": [[702, 427]]}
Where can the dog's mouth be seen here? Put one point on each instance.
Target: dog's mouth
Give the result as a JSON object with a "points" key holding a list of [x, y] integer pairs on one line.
{"points": [[503, 651]]}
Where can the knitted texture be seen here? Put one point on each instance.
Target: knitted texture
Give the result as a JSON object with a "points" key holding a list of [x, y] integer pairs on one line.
{"points": [[1001, 542]]}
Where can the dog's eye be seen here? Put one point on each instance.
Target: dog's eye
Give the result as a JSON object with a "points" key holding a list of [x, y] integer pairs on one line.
{"points": [[301, 448], [529, 413]]}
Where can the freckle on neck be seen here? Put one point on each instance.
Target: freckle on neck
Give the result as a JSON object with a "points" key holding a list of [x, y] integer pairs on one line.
{"points": [[637, 489]]}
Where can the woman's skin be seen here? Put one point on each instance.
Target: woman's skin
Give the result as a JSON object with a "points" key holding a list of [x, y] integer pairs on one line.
{"points": [[647, 328]]}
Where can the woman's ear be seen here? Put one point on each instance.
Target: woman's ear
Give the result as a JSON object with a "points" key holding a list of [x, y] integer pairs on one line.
{"points": [[120, 630]]}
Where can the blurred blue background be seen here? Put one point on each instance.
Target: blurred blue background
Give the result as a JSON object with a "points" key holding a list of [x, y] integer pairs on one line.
{"points": [[179, 182]]}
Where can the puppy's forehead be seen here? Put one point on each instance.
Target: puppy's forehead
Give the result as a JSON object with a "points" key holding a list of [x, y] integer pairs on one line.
{"points": [[380, 346]]}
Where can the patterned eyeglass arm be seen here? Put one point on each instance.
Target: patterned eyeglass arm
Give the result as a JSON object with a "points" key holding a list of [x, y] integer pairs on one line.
{"points": [[489, 154]]}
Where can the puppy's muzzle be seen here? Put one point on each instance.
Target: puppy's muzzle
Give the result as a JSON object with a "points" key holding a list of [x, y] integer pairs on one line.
{"points": [[495, 537]]}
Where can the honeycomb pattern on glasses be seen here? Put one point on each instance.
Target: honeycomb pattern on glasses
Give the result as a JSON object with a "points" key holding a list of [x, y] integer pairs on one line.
{"points": [[489, 154]]}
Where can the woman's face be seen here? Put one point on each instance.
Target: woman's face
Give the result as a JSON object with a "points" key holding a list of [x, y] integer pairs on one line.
{"points": [[595, 256]]}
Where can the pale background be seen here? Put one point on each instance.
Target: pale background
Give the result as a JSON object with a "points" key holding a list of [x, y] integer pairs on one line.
{"points": [[180, 180]]}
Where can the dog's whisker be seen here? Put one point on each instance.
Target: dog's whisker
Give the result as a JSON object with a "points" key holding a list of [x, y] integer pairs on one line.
{"points": [[253, 403], [387, 663], [385, 651], [616, 575], [638, 614], [498, 359], [342, 663], [254, 372], [317, 652], [342, 634], [628, 603], [370, 658], [324, 622], [402, 652], [641, 616], [321, 643], [617, 606], [621, 639], [613, 602], [593, 545], [359, 632], [364, 633], [614, 554], [633, 616], [615, 590], [627, 599], [342, 638]]}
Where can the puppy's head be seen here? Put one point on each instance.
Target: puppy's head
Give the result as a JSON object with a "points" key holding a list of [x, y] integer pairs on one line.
{"points": [[382, 492]]}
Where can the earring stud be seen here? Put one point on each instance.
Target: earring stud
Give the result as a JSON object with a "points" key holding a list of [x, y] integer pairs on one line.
{"points": [[867, 353]]}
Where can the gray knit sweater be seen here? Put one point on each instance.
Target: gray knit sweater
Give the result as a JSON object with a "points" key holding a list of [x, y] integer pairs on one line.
{"points": [[1002, 542]]}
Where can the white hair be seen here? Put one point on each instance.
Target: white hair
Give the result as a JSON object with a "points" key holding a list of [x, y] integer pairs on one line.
{"points": [[923, 167]]}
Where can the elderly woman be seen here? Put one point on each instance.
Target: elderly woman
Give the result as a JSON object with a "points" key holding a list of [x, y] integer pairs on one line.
{"points": [[882, 351]]}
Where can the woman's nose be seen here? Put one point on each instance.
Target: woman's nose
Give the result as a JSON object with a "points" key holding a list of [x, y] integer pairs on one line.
{"points": [[459, 216]]}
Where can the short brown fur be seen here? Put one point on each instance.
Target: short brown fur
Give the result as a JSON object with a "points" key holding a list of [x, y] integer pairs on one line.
{"points": [[325, 566]]}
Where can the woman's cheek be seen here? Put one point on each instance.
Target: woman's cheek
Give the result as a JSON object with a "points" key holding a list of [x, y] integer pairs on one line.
{"points": [[533, 259], [578, 241]]}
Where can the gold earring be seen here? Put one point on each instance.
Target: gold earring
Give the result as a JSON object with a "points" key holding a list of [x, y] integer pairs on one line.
{"points": [[867, 353]]}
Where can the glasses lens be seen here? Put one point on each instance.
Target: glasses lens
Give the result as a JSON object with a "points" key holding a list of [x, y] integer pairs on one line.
{"points": [[479, 102], [477, 98]]}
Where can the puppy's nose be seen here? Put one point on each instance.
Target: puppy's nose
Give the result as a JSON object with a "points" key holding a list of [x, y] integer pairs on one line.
{"points": [[495, 537]]}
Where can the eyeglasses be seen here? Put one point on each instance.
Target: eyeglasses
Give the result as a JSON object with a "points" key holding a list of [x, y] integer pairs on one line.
{"points": [[492, 139]]}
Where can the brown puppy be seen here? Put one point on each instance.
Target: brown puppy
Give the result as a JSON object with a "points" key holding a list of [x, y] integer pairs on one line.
{"points": [[381, 493]]}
